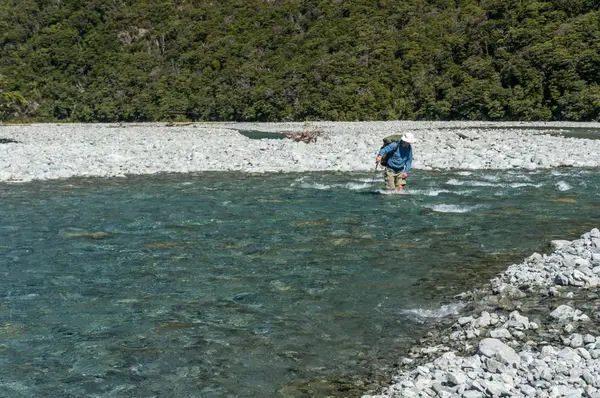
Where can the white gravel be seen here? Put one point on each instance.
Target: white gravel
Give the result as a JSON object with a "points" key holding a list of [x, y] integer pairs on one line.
{"points": [[50, 151], [507, 353]]}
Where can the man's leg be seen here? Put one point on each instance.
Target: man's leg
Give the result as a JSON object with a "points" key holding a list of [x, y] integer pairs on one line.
{"points": [[399, 182], [390, 180]]}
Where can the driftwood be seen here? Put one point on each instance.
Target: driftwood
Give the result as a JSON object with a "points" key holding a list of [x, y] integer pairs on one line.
{"points": [[8, 141], [308, 135], [305, 136]]}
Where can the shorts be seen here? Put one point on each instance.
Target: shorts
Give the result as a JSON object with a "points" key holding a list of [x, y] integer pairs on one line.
{"points": [[393, 180]]}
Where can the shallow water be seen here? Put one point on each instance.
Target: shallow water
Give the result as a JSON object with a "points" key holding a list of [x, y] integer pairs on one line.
{"points": [[218, 285]]}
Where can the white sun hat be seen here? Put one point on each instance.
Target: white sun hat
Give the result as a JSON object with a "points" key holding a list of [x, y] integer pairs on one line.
{"points": [[409, 137]]}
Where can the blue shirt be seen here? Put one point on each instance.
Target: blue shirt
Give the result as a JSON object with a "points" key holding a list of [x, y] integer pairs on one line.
{"points": [[401, 159]]}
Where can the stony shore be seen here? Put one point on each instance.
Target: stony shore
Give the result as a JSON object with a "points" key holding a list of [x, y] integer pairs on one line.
{"points": [[51, 151], [535, 332]]}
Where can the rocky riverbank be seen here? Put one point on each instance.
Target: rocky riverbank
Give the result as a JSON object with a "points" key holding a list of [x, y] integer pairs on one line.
{"points": [[534, 332], [51, 151]]}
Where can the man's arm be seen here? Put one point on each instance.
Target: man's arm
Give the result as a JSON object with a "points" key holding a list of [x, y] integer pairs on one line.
{"points": [[387, 149]]}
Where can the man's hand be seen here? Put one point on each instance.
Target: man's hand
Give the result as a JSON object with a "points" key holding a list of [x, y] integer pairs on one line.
{"points": [[378, 160], [403, 175]]}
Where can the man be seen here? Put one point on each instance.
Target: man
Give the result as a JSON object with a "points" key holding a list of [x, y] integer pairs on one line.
{"points": [[399, 161]]}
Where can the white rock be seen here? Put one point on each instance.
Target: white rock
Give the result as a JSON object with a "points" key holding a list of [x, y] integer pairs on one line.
{"points": [[494, 348]]}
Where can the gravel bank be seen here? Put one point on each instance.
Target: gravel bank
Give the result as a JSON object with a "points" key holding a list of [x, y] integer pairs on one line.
{"points": [[537, 336], [50, 151]]}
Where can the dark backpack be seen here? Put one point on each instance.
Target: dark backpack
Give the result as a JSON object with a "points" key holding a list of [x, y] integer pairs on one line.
{"points": [[387, 141]]}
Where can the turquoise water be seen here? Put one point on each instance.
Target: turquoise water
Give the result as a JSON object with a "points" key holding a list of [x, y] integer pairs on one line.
{"points": [[217, 285]]}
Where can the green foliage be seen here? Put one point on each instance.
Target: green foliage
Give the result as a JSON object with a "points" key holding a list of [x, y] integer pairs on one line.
{"points": [[271, 60], [12, 103]]}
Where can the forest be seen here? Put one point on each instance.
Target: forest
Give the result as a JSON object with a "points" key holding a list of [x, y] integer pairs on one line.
{"points": [[297, 60]]}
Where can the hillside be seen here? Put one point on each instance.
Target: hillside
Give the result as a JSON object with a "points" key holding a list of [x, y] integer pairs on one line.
{"points": [[272, 60]]}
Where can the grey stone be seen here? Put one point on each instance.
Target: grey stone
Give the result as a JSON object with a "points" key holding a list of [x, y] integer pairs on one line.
{"points": [[547, 374], [582, 262], [548, 351], [494, 366], [564, 312], [423, 382], [472, 362], [591, 392], [569, 354], [585, 354], [575, 282], [558, 244], [576, 340], [456, 378], [518, 321], [575, 375], [589, 378], [527, 390], [582, 318], [533, 325], [580, 276], [472, 394], [439, 388], [484, 320], [494, 348], [561, 280], [495, 388], [500, 333], [535, 258]]}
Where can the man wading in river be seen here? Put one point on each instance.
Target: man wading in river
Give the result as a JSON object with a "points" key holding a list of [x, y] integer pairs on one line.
{"points": [[398, 161]]}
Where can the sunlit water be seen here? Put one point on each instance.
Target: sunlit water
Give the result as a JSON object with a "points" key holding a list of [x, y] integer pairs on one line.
{"points": [[221, 285]]}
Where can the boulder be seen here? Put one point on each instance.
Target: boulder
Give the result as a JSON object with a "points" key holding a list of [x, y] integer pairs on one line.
{"points": [[496, 349]]}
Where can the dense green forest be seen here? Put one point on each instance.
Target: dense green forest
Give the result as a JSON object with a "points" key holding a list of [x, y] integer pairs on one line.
{"points": [[277, 60]]}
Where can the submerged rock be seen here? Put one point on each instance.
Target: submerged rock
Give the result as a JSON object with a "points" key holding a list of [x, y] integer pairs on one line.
{"points": [[87, 235]]}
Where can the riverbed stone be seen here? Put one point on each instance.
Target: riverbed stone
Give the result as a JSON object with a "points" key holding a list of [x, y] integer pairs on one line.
{"points": [[484, 320], [576, 340], [472, 394], [542, 366], [561, 279], [456, 378], [494, 348], [564, 312], [500, 333]]}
